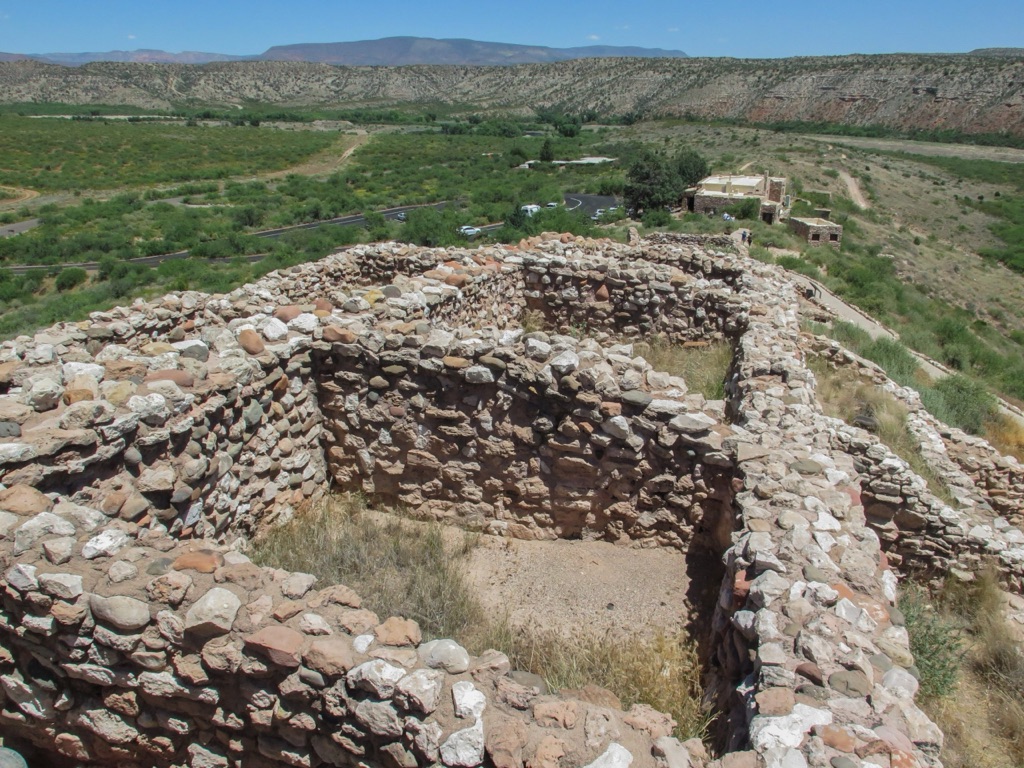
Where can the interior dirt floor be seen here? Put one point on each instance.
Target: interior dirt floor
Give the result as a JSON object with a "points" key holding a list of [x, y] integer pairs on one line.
{"points": [[567, 586]]}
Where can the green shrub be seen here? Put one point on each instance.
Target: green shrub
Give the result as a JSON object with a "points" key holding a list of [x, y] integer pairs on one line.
{"points": [[936, 642], [71, 278]]}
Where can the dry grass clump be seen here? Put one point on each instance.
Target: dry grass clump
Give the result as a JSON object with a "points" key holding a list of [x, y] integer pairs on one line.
{"points": [[1006, 435], [403, 568], [398, 568], [844, 395], [982, 713], [702, 367], [663, 672], [533, 320]]}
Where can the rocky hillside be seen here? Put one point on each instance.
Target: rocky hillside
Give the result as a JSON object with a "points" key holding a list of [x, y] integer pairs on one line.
{"points": [[971, 94]]}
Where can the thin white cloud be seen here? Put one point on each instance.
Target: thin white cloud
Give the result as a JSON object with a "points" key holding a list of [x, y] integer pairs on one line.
{"points": [[593, 37], [131, 37], [672, 29]]}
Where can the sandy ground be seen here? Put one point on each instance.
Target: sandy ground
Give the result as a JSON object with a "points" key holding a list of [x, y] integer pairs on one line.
{"points": [[566, 585], [970, 151]]}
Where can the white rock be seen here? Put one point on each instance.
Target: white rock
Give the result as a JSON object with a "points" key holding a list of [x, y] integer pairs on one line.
{"points": [[465, 748], [420, 690], [565, 362], [43, 393], [86, 518], [307, 322], [478, 374], [444, 654], [151, 408], [537, 349], [15, 452], [617, 427], [469, 702], [312, 624], [22, 577], [213, 613], [786, 731], [66, 586], [105, 544], [41, 525], [71, 370], [900, 682], [692, 422], [377, 676], [616, 756], [275, 330]]}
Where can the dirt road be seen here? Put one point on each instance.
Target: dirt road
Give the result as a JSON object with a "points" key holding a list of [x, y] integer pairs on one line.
{"points": [[855, 192]]}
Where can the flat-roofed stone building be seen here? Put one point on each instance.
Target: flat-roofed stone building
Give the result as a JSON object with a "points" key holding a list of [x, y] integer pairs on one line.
{"points": [[716, 193], [818, 231]]}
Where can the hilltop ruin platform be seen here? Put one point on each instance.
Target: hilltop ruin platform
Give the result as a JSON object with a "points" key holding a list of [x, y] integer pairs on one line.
{"points": [[142, 449]]}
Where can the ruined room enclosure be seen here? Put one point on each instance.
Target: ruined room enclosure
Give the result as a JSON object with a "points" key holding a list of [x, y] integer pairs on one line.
{"points": [[554, 443], [404, 375]]}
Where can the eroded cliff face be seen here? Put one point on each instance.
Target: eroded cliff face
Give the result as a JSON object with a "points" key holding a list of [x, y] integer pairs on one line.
{"points": [[974, 94]]}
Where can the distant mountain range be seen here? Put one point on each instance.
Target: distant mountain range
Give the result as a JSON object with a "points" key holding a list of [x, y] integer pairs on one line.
{"points": [[388, 51]]}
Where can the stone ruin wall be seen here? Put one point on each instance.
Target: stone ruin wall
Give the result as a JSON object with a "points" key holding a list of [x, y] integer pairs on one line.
{"points": [[916, 527], [138, 446]]}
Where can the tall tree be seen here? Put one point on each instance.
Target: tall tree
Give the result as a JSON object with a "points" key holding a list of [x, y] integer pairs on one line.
{"points": [[691, 167], [652, 182]]}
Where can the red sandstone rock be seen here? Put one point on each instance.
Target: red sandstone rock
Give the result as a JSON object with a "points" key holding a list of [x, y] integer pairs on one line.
{"points": [[458, 280], [335, 335], [287, 313], [838, 738], [280, 645], [602, 293], [202, 560], [24, 500], [548, 753], [650, 721], [775, 702], [125, 370], [251, 342], [505, 740], [556, 714], [398, 631], [331, 657]]}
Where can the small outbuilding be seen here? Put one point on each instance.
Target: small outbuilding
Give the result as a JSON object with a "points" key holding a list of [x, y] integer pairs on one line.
{"points": [[818, 231]]}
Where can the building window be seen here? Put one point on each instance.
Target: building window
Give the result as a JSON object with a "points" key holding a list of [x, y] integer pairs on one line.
{"points": [[815, 237], [833, 237]]}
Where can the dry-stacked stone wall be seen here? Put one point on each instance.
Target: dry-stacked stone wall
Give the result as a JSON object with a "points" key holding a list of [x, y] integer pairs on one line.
{"points": [[139, 451], [917, 528]]}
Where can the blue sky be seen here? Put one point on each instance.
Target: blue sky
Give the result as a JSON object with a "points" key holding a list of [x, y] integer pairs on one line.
{"points": [[739, 28]]}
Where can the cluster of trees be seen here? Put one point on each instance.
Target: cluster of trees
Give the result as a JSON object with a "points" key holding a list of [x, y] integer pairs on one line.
{"points": [[655, 180]]}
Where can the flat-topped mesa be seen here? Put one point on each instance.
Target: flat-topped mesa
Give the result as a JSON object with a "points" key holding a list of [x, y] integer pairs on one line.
{"points": [[406, 374]]}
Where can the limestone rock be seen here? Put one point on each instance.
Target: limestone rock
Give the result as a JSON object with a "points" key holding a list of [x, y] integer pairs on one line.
{"points": [[213, 613]]}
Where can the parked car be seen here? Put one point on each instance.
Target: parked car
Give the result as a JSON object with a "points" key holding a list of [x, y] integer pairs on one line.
{"points": [[551, 205], [469, 231], [401, 216], [529, 210]]}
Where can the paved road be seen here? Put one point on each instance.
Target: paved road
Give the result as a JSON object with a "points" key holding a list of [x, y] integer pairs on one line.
{"points": [[16, 228], [588, 203], [357, 220]]}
